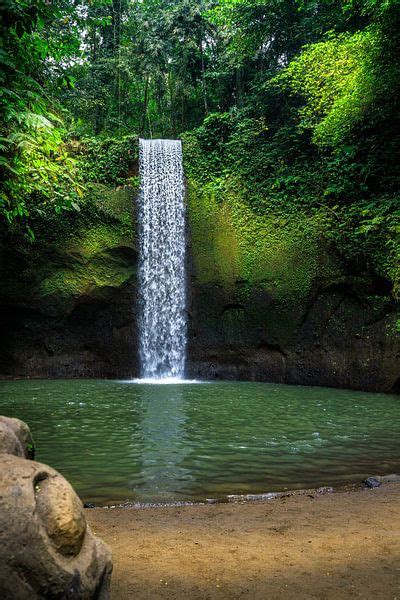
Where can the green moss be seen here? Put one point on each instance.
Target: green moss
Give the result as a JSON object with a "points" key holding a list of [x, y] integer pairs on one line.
{"points": [[114, 203], [216, 249], [96, 239], [85, 278], [90, 262], [63, 282], [231, 244], [79, 253]]}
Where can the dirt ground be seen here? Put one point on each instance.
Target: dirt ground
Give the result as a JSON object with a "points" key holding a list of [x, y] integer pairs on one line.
{"points": [[336, 546]]}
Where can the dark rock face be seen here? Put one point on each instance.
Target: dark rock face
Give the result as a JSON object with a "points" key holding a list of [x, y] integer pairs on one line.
{"points": [[68, 301], [339, 339], [273, 301], [96, 337]]}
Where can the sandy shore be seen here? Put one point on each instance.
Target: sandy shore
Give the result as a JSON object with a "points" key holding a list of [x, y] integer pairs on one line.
{"points": [[336, 546]]}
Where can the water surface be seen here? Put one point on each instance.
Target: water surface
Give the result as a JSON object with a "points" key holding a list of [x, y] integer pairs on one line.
{"points": [[118, 441]]}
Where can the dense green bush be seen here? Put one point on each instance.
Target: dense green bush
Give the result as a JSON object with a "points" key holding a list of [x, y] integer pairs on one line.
{"points": [[109, 161]]}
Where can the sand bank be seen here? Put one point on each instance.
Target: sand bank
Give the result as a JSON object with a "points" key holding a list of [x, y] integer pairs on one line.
{"points": [[335, 546]]}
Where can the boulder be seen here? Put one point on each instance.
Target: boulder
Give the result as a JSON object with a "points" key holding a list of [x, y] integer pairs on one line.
{"points": [[16, 438], [378, 480], [47, 550], [372, 482]]}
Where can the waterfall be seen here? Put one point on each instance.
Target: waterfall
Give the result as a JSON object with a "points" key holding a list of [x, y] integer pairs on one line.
{"points": [[162, 286]]}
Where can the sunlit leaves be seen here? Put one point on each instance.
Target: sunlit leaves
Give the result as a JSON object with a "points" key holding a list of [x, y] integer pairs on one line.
{"points": [[337, 79]]}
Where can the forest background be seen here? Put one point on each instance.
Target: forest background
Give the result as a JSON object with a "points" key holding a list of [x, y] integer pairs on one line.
{"points": [[290, 104]]}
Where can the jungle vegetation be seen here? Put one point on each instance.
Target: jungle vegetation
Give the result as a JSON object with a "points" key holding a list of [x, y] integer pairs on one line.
{"points": [[293, 104]]}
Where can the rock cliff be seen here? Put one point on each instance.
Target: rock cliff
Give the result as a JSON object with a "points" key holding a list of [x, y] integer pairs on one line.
{"points": [[267, 300]]}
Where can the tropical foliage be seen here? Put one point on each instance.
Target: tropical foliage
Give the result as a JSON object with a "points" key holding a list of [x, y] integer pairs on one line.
{"points": [[291, 105], [36, 166]]}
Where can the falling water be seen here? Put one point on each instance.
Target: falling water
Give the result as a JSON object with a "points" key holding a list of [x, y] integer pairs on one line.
{"points": [[162, 321]]}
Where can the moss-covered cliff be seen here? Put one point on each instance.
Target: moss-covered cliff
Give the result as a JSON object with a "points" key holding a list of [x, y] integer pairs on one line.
{"points": [[270, 297], [270, 301], [283, 286], [68, 299]]}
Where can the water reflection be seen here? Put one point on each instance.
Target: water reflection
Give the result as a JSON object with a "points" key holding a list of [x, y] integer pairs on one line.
{"points": [[163, 443]]}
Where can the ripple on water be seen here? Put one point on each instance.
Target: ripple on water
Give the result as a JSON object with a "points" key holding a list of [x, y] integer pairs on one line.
{"points": [[188, 441]]}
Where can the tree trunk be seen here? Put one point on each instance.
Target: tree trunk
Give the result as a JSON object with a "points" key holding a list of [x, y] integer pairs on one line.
{"points": [[203, 78], [146, 100], [239, 87]]}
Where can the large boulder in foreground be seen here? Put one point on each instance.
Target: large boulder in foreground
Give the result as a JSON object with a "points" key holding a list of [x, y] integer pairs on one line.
{"points": [[46, 548], [16, 438]]}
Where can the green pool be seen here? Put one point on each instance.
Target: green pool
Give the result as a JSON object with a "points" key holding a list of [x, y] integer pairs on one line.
{"points": [[118, 441]]}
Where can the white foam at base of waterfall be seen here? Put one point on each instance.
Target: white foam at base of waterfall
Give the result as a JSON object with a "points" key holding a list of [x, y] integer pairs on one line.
{"points": [[165, 381]]}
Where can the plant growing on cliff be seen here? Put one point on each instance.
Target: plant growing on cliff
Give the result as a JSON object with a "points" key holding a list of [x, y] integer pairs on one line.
{"points": [[109, 160]]}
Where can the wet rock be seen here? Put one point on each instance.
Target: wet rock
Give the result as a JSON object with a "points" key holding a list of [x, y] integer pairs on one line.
{"points": [[46, 548], [88, 505], [16, 438], [372, 482], [378, 480]]}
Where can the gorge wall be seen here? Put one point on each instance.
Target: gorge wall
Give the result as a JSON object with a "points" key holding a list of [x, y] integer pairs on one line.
{"points": [[68, 299], [268, 300]]}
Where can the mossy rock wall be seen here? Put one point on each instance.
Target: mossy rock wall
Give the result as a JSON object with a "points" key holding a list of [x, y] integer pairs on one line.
{"points": [[69, 299], [269, 301]]}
